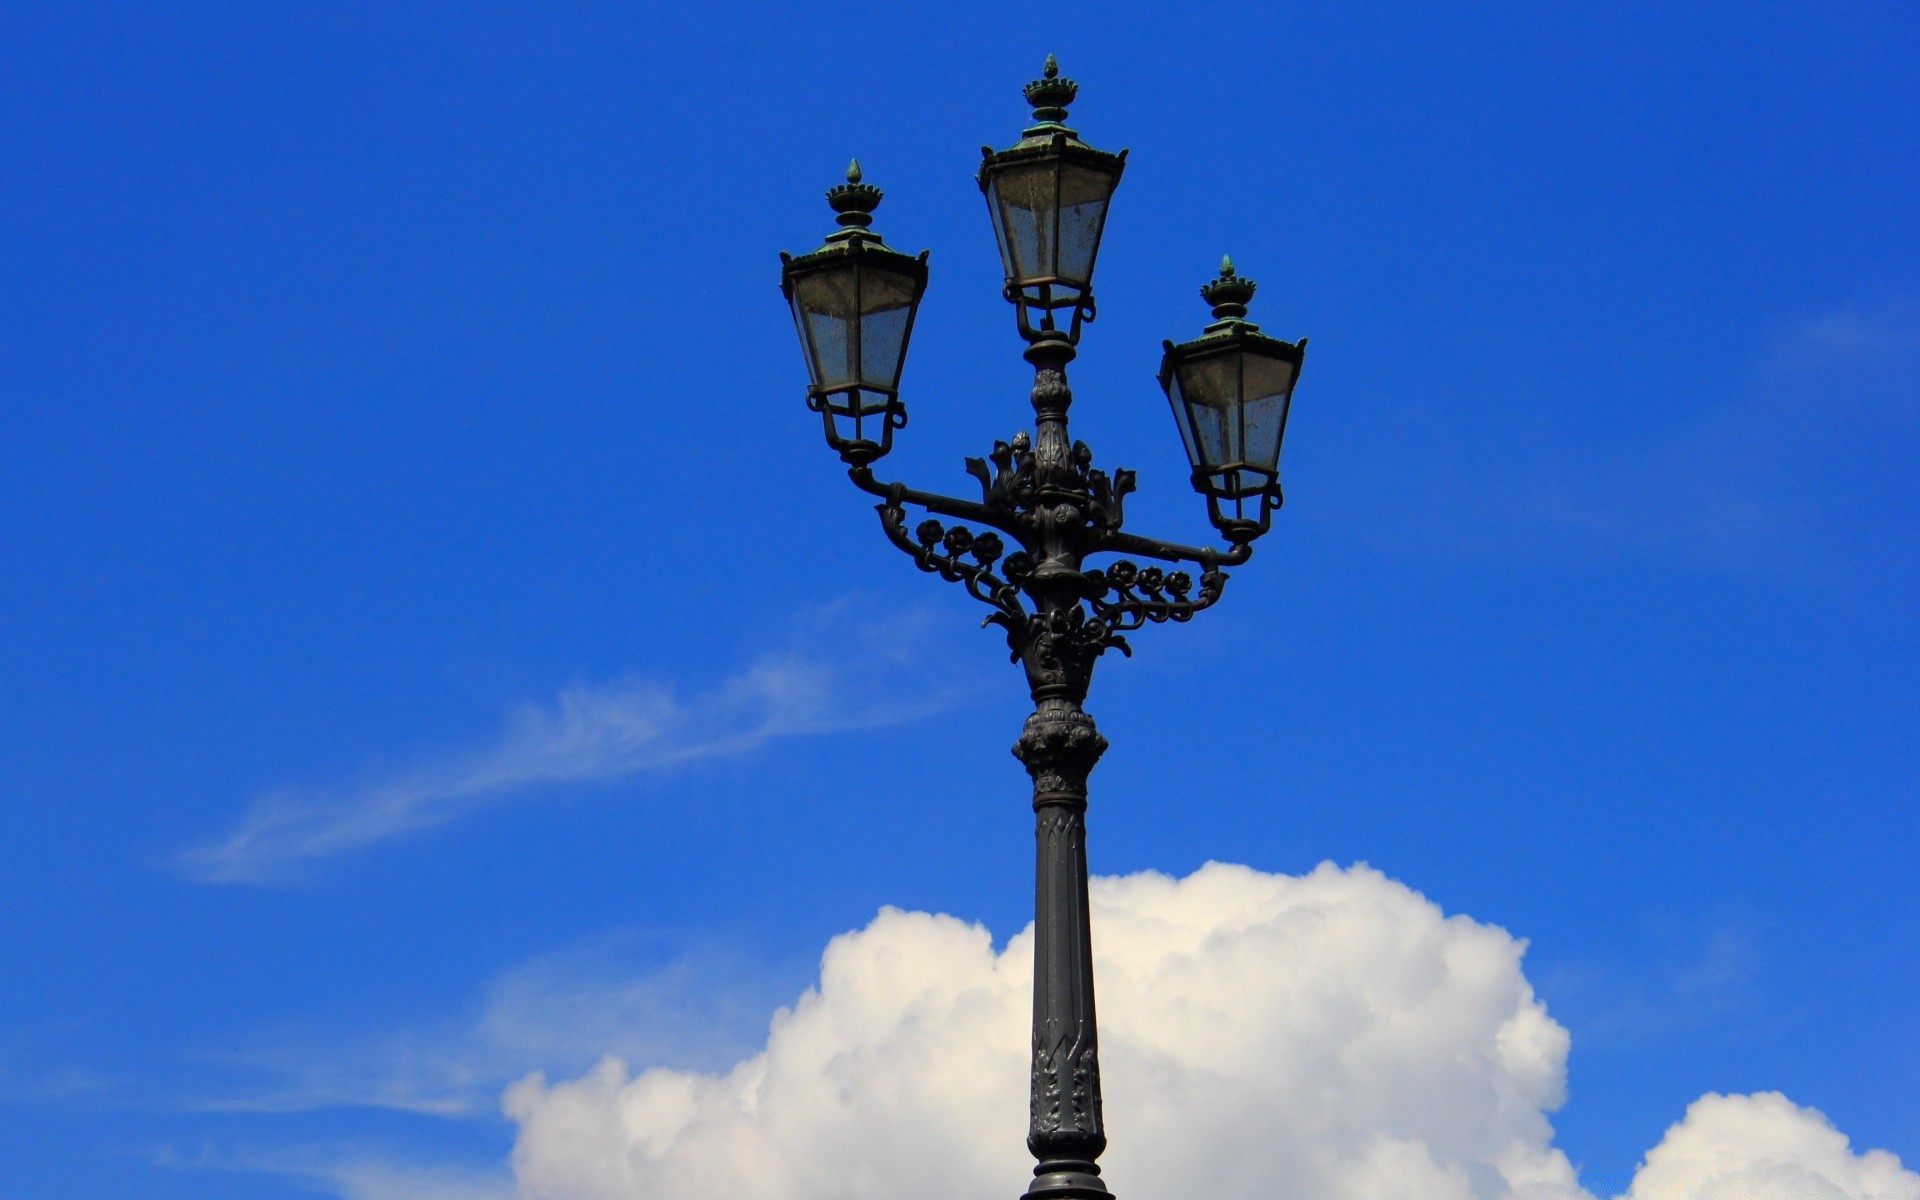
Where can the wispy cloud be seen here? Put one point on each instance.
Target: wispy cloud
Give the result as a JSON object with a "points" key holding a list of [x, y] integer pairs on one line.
{"points": [[594, 732], [348, 1173], [25, 1079], [1780, 475], [59, 1083], [691, 1006], [1705, 973], [1798, 467]]}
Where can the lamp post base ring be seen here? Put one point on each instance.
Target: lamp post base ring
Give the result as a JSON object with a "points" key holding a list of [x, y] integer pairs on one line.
{"points": [[1067, 1181]]}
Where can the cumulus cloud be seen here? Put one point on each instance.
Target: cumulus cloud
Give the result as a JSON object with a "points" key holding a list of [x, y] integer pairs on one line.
{"points": [[1765, 1147], [592, 732], [1332, 1036]]}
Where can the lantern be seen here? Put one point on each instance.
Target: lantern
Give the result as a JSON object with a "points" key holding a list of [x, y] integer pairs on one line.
{"points": [[853, 303], [1230, 389], [1048, 198]]}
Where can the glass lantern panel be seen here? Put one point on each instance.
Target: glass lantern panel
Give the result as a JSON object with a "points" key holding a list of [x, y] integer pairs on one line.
{"points": [[806, 338], [1269, 387], [886, 310], [1211, 388], [1180, 418], [1026, 202], [1084, 193], [1000, 238], [825, 304]]}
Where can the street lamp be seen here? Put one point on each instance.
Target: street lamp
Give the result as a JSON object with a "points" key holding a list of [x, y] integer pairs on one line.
{"points": [[853, 302]]}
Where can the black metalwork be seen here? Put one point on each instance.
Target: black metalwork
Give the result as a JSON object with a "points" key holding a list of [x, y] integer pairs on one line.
{"points": [[1022, 550], [1230, 389], [853, 303], [1048, 195]]}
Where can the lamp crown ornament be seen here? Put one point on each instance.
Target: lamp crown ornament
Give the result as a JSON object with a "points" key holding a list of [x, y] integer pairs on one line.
{"points": [[1229, 293], [1050, 94], [854, 200]]}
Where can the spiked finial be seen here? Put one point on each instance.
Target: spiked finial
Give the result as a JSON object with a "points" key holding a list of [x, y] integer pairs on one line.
{"points": [[1051, 93], [854, 200], [1229, 293]]}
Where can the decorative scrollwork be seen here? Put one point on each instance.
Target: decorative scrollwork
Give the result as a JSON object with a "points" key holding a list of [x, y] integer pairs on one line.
{"points": [[1013, 484], [1140, 596], [1008, 487], [943, 551], [1058, 648], [1044, 508]]}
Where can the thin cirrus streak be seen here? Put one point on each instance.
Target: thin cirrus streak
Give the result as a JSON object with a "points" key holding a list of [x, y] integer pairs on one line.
{"points": [[697, 1004], [1795, 467], [346, 1174], [589, 733]]}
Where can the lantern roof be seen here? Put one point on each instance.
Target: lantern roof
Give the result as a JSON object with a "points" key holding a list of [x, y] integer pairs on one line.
{"points": [[1049, 134], [1229, 294], [853, 203]]}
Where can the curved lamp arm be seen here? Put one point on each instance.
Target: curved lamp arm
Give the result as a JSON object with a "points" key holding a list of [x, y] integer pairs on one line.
{"points": [[1205, 557], [946, 506]]}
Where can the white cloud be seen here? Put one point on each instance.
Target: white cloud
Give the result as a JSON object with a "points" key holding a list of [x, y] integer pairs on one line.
{"points": [[1764, 1147], [593, 732], [1322, 1036], [1330, 1036]]}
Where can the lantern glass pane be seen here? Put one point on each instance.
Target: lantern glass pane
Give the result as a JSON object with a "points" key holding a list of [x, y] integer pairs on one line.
{"points": [[886, 310], [1000, 238], [1211, 388], [1181, 417], [1025, 202], [826, 306], [1084, 194], [1269, 386]]}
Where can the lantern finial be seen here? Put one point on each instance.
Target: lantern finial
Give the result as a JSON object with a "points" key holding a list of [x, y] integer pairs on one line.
{"points": [[1050, 94], [1229, 293], [854, 200]]}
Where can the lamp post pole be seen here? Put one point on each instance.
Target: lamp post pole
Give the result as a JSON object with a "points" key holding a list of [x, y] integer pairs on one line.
{"points": [[854, 301]]}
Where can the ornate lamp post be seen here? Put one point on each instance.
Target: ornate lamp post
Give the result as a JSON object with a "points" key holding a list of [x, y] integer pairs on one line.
{"points": [[853, 300]]}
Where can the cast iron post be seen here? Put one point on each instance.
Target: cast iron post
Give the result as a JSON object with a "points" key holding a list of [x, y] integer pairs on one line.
{"points": [[1059, 746]]}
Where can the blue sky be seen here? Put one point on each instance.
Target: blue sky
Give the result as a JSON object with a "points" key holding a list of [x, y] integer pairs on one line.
{"points": [[436, 645]]}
